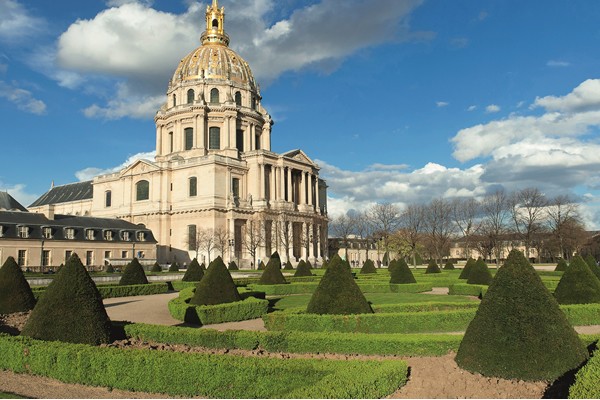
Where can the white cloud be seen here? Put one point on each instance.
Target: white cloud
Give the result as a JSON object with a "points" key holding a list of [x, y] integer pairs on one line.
{"points": [[140, 46], [19, 192], [23, 99], [492, 108], [557, 63], [125, 104], [585, 97], [472, 108], [441, 103], [118, 3], [89, 173], [16, 23]]}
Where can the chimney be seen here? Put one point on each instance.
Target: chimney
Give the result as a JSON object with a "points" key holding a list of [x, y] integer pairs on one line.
{"points": [[48, 211]]}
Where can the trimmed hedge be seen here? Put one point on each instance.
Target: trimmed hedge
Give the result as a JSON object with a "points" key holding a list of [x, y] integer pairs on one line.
{"points": [[400, 273], [578, 284], [108, 292], [15, 293], [465, 289], [155, 267], [250, 308], [432, 268], [302, 270], [464, 274], [216, 287], [133, 274], [207, 375], [300, 342], [292, 288], [174, 267], [449, 265], [368, 268], [194, 272], [561, 266], [272, 274], [394, 288], [418, 307], [586, 380], [480, 274]]}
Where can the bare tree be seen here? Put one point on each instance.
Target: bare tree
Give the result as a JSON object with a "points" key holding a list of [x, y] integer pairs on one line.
{"points": [[254, 237], [221, 236], [464, 213], [205, 241], [495, 212], [439, 227], [385, 218], [527, 208], [563, 216], [285, 233], [343, 227], [363, 227], [413, 221]]}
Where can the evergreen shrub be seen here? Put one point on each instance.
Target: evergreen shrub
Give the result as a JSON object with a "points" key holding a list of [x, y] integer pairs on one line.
{"points": [[70, 310], [400, 273], [216, 287], [134, 274], [562, 265], [368, 268], [578, 285], [464, 274], [302, 269], [449, 264], [272, 274], [288, 265], [156, 267], [109, 269], [15, 293], [432, 268], [174, 267], [309, 265], [233, 266], [194, 272], [519, 331], [261, 266], [338, 293], [480, 274]]}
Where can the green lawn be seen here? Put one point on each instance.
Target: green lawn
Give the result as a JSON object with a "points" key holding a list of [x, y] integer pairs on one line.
{"points": [[4, 395]]}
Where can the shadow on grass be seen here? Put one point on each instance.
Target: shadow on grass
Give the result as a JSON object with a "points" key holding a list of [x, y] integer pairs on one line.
{"points": [[559, 389]]}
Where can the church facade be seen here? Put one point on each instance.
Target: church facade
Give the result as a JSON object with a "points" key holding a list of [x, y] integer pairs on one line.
{"points": [[214, 187]]}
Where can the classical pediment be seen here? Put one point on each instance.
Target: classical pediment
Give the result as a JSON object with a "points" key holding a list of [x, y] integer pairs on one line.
{"points": [[139, 167], [300, 156]]}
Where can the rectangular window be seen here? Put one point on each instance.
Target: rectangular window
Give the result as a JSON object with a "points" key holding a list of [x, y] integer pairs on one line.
{"points": [[89, 234], [191, 237], [45, 258], [22, 257], [141, 236], [235, 187], [89, 258], [68, 254], [141, 254], [189, 138], [108, 198], [124, 254], [107, 254], [126, 236], [193, 186], [170, 142], [70, 233], [257, 142], [47, 233], [108, 235], [214, 138], [23, 232], [239, 140]]}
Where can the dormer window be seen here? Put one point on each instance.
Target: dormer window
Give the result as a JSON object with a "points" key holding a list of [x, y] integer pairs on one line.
{"points": [[108, 235], [90, 234], [69, 233], [141, 236], [23, 232], [47, 232], [126, 236]]}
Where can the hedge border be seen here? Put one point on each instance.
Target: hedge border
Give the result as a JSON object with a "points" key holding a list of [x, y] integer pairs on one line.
{"points": [[249, 308], [209, 375], [465, 289], [108, 292], [586, 380]]}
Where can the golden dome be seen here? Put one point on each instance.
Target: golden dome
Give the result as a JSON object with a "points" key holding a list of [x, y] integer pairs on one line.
{"points": [[214, 60]]}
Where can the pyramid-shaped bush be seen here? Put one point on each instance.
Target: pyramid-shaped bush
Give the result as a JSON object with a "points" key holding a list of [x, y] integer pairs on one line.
{"points": [[591, 262], [232, 266], [400, 273], [261, 266], [368, 268], [70, 310], [338, 293], [302, 269], [134, 274], [480, 273], [432, 268], [449, 265], [578, 284], [174, 267], [325, 264], [216, 287], [194, 272], [464, 274], [519, 331], [309, 265], [272, 274], [561, 265], [288, 265], [109, 269], [15, 293], [156, 267]]}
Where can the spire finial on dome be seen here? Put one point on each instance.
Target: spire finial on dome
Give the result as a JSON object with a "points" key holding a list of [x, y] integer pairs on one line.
{"points": [[215, 20]]}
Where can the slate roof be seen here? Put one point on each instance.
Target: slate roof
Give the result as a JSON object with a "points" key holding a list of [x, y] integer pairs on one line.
{"points": [[8, 203], [10, 221], [65, 193]]}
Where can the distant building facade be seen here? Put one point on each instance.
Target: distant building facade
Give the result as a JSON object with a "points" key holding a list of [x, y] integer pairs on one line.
{"points": [[213, 171]]}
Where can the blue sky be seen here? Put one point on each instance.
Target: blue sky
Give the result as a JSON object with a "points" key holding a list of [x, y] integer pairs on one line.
{"points": [[398, 101]]}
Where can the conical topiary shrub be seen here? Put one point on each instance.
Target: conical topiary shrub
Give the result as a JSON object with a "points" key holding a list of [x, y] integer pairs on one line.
{"points": [[194, 272], [288, 265], [591, 262], [216, 287], [449, 265], [174, 267], [561, 265], [109, 269], [368, 268], [232, 266], [578, 284], [464, 274], [519, 331], [156, 267], [70, 310], [432, 268], [480, 274], [338, 293], [302, 269], [325, 264], [133, 274], [400, 273], [308, 265], [261, 266], [272, 274], [15, 293]]}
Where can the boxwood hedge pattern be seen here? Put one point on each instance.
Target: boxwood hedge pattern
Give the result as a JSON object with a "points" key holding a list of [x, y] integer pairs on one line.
{"points": [[208, 375], [108, 292], [586, 380]]}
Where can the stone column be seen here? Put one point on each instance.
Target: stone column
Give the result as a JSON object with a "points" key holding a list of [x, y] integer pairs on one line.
{"points": [[302, 199], [289, 184], [159, 140], [201, 131], [262, 185], [317, 206], [304, 241], [281, 183]]}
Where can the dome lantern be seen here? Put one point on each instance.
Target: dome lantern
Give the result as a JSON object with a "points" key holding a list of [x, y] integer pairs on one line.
{"points": [[215, 32]]}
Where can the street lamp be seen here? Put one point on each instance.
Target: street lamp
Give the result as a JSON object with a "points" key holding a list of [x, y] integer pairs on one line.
{"points": [[231, 244]]}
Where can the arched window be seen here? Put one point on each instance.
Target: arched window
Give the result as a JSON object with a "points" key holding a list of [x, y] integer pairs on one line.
{"points": [[253, 103], [215, 24], [257, 142], [189, 138], [190, 96], [142, 190], [214, 138], [193, 184], [214, 95], [238, 99], [107, 198], [174, 100]]}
